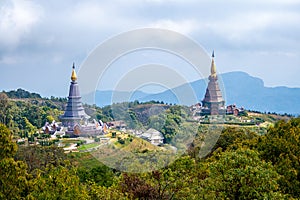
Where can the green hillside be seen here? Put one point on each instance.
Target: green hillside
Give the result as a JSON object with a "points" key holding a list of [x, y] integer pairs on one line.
{"points": [[254, 156]]}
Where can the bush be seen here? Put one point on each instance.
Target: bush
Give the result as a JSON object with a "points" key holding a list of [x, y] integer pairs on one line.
{"points": [[78, 144], [121, 141]]}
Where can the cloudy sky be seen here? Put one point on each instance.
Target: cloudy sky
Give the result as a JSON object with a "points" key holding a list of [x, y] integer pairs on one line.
{"points": [[39, 39]]}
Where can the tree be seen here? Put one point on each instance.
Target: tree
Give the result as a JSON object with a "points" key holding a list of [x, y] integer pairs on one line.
{"points": [[4, 108], [58, 183], [111, 193], [177, 181], [232, 135], [156, 121], [13, 174], [29, 128], [171, 126], [281, 146], [49, 118], [13, 179], [7, 147], [20, 93], [137, 188], [39, 157], [101, 175], [240, 175]]}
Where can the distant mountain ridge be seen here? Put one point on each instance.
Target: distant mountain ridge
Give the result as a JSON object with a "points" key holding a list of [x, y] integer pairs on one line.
{"points": [[239, 88]]}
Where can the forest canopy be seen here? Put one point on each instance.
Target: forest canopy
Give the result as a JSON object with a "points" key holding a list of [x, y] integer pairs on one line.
{"points": [[245, 163]]}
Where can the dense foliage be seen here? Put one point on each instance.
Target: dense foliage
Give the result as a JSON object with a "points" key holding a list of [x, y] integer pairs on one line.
{"points": [[243, 164], [26, 116], [20, 93]]}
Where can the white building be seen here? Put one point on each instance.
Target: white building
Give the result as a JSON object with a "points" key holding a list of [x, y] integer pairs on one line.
{"points": [[153, 136]]}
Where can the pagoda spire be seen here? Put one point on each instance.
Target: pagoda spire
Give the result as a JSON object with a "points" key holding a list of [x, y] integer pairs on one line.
{"points": [[213, 69], [213, 102], [74, 112], [73, 76]]}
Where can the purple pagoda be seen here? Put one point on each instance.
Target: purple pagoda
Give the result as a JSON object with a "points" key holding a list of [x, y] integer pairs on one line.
{"points": [[74, 118]]}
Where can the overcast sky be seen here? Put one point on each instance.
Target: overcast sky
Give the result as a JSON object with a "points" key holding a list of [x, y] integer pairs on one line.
{"points": [[40, 39]]}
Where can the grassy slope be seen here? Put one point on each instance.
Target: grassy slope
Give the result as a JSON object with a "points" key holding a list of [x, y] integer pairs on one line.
{"points": [[139, 145]]}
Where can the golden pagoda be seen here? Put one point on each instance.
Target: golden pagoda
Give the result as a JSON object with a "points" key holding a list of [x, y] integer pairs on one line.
{"points": [[213, 102]]}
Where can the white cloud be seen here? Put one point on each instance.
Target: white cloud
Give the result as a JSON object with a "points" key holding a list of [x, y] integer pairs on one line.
{"points": [[170, 1], [8, 60], [32, 31], [181, 26], [16, 19], [253, 28], [241, 25], [94, 18], [88, 14]]}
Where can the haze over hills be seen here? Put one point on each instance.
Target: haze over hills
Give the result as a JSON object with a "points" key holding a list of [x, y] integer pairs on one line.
{"points": [[239, 88]]}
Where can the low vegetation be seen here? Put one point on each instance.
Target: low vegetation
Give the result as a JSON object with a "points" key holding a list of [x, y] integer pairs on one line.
{"points": [[246, 162], [242, 164]]}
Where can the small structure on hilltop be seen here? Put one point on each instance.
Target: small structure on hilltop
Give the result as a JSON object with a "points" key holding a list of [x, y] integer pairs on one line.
{"points": [[120, 125], [196, 109], [213, 102], [153, 136], [234, 110], [51, 128]]}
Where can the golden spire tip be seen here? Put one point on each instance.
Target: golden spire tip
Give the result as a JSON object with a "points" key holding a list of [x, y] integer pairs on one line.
{"points": [[73, 76]]}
